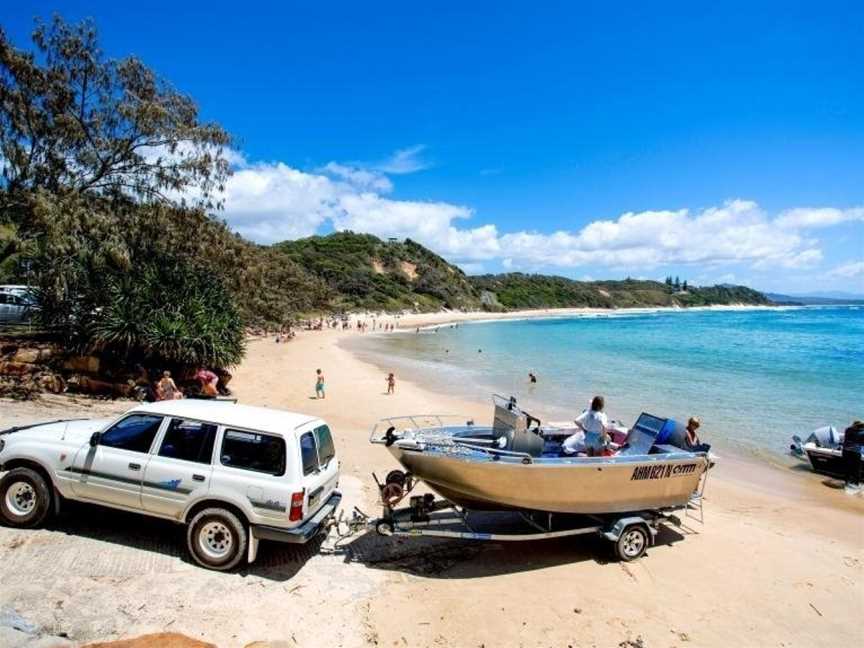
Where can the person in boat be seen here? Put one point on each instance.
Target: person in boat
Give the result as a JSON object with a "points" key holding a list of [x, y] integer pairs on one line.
{"points": [[853, 439], [592, 422], [693, 442]]}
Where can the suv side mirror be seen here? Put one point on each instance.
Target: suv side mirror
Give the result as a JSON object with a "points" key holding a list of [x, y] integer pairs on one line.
{"points": [[94, 439]]}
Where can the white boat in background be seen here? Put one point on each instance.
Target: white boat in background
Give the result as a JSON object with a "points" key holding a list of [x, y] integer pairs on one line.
{"points": [[823, 448], [516, 464]]}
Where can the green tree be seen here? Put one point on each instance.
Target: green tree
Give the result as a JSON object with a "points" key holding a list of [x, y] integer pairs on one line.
{"points": [[168, 313], [74, 122]]}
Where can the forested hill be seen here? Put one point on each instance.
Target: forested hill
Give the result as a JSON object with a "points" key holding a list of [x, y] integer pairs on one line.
{"points": [[524, 291], [362, 271]]}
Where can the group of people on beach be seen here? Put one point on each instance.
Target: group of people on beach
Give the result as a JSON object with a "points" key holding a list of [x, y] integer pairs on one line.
{"points": [[165, 389]]}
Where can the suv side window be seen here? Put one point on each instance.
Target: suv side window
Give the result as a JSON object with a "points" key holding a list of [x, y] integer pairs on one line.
{"points": [[309, 453], [134, 433], [326, 449], [189, 441], [253, 451]]}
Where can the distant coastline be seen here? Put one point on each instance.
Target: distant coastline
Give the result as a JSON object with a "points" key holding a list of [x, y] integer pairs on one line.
{"points": [[447, 317]]}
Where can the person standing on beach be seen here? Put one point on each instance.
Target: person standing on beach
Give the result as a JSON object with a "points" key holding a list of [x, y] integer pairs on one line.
{"points": [[532, 378], [319, 384], [391, 383]]}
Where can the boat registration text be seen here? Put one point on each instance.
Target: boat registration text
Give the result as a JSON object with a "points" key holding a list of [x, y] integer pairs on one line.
{"points": [[662, 472]]}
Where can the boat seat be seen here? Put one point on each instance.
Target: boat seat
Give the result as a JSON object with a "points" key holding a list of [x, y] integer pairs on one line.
{"points": [[527, 441]]}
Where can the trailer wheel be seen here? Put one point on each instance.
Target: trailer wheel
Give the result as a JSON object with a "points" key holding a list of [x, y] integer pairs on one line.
{"points": [[395, 477], [632, 543]]}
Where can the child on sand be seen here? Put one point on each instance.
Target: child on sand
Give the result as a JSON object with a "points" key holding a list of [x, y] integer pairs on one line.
{"points": [[319, 384], [391, 383]]}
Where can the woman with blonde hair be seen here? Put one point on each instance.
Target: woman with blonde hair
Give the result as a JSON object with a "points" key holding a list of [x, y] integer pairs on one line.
{"points": [[167, 389]]}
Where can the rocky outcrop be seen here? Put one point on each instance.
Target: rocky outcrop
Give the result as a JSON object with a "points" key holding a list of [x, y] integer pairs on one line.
{"points": [[28, 368]]}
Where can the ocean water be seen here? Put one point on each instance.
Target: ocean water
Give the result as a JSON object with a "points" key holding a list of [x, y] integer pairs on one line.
{"points": [[755, 377]]}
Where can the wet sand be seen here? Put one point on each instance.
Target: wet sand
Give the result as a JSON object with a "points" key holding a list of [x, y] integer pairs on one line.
{"points": [[778, 562]]}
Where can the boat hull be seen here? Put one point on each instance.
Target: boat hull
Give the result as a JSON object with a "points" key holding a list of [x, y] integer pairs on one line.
{"points": [[588, 486], [827, 461]]}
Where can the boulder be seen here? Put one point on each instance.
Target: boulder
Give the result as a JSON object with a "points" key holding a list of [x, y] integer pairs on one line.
{"points": [[52, 383], [12, 368], [94, 387], [86, 364], [29, 356], [158, 640]]}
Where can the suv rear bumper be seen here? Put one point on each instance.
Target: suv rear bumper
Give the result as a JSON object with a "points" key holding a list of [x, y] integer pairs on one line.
{"points": [[306, 531]]}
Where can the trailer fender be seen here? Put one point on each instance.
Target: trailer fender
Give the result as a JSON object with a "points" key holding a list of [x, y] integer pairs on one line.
{"points": [[621, 525]]}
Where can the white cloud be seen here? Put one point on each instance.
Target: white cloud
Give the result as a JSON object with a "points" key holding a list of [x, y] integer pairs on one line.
{"points": [[737, 232], [849, 270], [472, 268], [407, 160], [273, 202], [360, 177], [431, 223], [270, 202], [812, 217]]}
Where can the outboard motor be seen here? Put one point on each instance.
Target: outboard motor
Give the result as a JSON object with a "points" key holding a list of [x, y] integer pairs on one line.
{"points": [[824, 437]]}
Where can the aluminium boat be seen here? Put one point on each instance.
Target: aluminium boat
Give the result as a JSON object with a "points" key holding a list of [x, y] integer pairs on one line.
{"points": [[517, 463]]}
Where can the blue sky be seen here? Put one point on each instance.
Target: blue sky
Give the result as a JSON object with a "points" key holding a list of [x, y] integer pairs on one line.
{"points": [[718, 143]]}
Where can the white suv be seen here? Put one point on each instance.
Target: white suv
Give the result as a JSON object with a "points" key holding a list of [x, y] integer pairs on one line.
{"points": [[234, 474]]}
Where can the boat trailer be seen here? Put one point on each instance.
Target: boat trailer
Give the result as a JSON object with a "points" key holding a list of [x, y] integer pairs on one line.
{"points": [[428, 516]]}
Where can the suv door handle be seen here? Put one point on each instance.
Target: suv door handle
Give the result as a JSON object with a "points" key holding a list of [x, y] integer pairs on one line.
{"points": [[134, 466], [198, 477]]}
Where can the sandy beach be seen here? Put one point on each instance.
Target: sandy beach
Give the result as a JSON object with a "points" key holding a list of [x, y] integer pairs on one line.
{"points": [[778, 562]]}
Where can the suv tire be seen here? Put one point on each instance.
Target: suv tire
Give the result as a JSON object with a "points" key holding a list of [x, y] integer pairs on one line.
{"points": [[217, 539], [25, 498]]}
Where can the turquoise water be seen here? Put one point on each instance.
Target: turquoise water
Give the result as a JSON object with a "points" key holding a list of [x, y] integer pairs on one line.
{"points": [[754, 376]]}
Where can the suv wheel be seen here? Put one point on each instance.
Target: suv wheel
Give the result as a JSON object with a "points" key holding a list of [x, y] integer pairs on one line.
{"points": [[25, 498], [217, 539]]}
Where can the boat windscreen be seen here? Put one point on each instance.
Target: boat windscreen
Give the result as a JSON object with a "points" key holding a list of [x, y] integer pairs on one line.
{"points": [[644, 434]]}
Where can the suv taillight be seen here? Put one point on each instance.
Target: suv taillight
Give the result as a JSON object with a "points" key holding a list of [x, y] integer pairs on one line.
{"points": [[295, 514]]}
